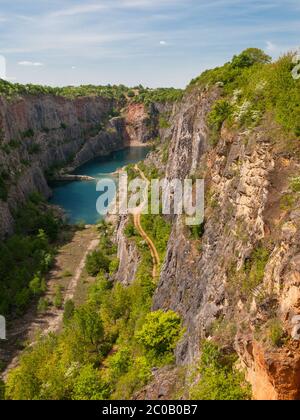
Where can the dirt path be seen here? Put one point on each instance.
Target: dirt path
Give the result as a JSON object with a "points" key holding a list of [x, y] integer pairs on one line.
{"points": [[67, 272], [139, 228]]}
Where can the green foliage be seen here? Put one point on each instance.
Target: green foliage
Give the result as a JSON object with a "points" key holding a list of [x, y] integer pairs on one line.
{"points": [[58, 298], [27, 256], [197, 231], [252, 273], [27, 133], [129, 230], [163, 122], [276, 333], [36, 215], [295, 185], [14, 90], [255, 267], [97, 261], [37, 286], [160, 95], [159, 335], [159, 231], [88, 386], [2, 390], [131, 94], [114, 266], [250, 57], [220, 112], [69, 310], [89, 324], [219, 378], [97, 355], [253, 85], [288, 201], [43, 305]]}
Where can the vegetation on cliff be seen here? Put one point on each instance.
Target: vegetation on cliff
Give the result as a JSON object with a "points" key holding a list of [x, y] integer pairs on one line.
{"points": [[253, 85], [219, 377]]}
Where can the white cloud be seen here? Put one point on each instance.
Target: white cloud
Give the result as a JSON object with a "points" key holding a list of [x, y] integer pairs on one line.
{"points": [[163, 43], [78, 10], [30, 63]]}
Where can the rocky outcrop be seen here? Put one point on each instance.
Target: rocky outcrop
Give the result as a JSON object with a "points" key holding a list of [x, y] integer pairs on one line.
{"points": [[140, 123], [207, 283], [41, 133], [127, 253]]}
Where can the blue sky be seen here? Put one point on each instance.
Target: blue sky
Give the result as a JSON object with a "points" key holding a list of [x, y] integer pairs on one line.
{"points": [[153, 42]]}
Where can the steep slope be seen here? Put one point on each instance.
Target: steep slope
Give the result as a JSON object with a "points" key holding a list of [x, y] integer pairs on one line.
{"points": [[239, 284]]}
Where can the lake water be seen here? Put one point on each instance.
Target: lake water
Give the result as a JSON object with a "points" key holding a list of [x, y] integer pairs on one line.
{"points": [[78, 198]]}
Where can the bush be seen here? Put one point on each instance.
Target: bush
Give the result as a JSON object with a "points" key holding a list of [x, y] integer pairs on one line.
{"points": [[276, 333], [219, 378], [97, 261], [114, 266], [69, 310], [129, 230], [43, 305], [89, 385], [250, 57], [37, 285], [221, 110], [160, 334], [58, 298]]}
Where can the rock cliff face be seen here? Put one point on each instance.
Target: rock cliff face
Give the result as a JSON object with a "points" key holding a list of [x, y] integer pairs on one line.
{"points": [[246, 176], [39, 133]]}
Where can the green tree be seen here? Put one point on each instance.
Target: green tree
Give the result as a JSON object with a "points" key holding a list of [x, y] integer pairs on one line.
{"points": [[160, 334], [89, 385], [250, 57], [89, 324], [97, 261], [69, 310]]}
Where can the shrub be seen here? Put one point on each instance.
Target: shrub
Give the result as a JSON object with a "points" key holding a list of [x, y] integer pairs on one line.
{"points": [[114, 266], [97, 261], [219, 378], [221, 110], [255, 267], [295, 184], [276, 333], [69, 310], [163, 122], [129, 230], [89, 385], [28, 133], [160, 334], [37, 285], [250, 57], [58, 298], [43, 305]]}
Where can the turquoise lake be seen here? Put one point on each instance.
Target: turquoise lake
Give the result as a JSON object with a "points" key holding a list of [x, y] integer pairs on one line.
{"points": [[78, 198]]}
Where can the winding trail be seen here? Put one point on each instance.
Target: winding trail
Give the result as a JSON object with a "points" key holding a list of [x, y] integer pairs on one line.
{"points": [[144, 235]]}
